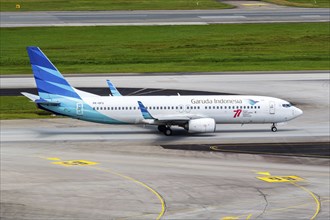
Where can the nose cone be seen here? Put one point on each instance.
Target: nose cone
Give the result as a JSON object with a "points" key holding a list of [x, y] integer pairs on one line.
{"points": [[298, 112]]}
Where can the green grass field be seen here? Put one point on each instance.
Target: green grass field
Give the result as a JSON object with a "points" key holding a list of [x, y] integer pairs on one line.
{"points": [[19, 107], [302, 3], [230, 47], [89, 5]]}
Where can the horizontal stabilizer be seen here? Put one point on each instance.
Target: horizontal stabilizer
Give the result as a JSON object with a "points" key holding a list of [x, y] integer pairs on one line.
{"points": [[38, 100], [30, 96], [45, 102]]}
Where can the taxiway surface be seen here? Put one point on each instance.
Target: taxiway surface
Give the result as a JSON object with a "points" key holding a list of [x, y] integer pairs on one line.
{"points": [[64, 169]]}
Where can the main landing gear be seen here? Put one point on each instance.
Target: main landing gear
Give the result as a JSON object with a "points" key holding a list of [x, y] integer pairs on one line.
{"points": [[166, 129], [274, 128]]}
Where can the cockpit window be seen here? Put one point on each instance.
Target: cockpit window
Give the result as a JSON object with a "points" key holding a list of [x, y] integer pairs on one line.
{"points": [[286, 105]]}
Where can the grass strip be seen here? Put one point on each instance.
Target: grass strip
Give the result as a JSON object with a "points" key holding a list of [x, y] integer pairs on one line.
{"points": [[302, 3], [209, 48], [103, 5], [19, 107]]}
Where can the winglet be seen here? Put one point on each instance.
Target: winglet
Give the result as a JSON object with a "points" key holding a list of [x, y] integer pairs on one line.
{"points": [[113, 89], [144, 111]]}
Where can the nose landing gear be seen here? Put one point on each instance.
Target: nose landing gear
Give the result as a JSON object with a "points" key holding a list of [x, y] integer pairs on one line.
{"points": [[274, 128]]}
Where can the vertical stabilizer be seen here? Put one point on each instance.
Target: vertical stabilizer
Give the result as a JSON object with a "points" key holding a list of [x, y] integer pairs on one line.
{"points": [[50, 82]]}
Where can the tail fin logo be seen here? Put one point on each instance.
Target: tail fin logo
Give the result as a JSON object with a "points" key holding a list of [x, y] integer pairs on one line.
{"points": [[49, 80]]}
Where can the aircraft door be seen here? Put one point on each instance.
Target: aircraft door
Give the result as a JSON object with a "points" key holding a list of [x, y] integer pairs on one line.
{"points": [[271, 107], [80, 108]]}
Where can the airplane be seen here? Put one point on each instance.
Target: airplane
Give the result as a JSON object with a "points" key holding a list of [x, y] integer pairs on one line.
{"points": [[196, 114]]}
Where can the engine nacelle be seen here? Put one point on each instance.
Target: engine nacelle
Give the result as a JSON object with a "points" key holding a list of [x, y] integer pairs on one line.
{"points": [[201, 125]]}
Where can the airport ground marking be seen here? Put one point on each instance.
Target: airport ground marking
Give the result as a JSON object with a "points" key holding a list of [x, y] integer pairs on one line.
{"points": [[75, 163], [317, 202], [53, 158], [160, 198], [280, 179], [85, 162], [230, 218], [237, 217], [293, 180], [263, 173]]}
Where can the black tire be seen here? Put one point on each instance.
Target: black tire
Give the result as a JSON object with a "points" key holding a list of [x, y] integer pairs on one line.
{"points": [[168, 132], [161, 128], [274, 129]]}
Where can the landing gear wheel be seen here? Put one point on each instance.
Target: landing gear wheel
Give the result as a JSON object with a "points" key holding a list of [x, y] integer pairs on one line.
{"points": [[161, 128], [274, 129], [168, 131]]}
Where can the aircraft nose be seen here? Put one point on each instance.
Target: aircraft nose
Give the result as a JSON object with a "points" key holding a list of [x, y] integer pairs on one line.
{"points": [[298, 112]]}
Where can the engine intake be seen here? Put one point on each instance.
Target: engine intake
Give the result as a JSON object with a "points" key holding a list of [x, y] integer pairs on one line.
{"points": [[201, 125]]}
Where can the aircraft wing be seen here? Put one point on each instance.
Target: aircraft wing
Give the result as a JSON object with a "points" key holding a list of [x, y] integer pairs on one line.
{"points": [[164, 119], [181, 117]]}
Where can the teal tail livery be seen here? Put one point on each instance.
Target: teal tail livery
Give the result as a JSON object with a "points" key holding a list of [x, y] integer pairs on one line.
{"points": [[196, 114], [56, 95]]}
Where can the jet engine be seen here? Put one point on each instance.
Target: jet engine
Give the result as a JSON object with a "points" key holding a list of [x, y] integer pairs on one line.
{"points": [[201, 125]]}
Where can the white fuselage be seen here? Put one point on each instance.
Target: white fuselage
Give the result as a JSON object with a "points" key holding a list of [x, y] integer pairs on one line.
{"points": [[223, 109]]}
